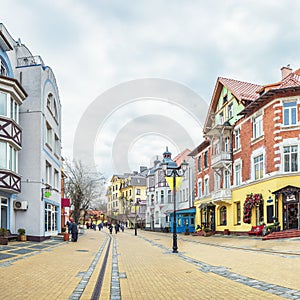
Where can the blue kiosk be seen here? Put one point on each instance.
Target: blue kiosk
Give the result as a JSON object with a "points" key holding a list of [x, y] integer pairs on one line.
{"points": [[185, 219]]}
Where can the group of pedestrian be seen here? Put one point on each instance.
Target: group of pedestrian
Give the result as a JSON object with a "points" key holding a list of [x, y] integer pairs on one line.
{"points": [[117, 227]]}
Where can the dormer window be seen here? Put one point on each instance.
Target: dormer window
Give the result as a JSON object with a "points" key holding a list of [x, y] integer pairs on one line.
{"points": [[3, 69], [51, 105]]}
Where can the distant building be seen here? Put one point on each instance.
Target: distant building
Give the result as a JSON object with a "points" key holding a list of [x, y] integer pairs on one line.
{"points": [[126, 198], [160, 203]]}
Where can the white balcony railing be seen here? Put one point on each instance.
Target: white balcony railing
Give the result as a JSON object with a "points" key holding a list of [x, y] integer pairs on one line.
{"points": [[220, 158], [222, 194]]}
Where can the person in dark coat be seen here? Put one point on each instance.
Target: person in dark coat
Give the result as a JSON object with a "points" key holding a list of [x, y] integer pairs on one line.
{"points": [[69, 224], [74, 230]]}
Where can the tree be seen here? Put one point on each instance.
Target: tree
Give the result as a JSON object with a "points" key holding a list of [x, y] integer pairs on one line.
{"points": [[83, 187]]}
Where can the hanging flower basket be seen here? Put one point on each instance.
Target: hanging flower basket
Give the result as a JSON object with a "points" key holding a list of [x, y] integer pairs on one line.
{"points": [[251, 201]]}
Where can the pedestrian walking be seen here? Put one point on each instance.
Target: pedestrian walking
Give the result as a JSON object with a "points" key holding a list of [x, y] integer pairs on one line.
{"points": [[117, 227], [74, 230], [110, 228]]}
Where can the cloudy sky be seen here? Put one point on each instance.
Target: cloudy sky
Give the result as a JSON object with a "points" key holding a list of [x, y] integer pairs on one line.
{"points": [[138, 75]]}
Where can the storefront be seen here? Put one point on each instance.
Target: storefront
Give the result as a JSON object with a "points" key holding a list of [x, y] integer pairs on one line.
{"points": [[287, 207], [185, 220]]}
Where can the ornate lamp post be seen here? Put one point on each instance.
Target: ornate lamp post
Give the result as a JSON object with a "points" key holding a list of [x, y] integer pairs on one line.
{"points": [[135, 222], [173, 171]]}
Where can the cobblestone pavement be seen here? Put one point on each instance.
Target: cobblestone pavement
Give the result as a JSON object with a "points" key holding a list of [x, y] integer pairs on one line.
{"points": [[125, 266]]}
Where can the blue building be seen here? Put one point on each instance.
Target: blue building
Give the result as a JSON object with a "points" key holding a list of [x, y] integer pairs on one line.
{"points": [[185, 219]]}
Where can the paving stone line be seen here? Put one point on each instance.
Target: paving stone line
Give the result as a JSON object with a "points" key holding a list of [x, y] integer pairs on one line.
{"points": [[78, 291], [115, 289], [224, 272]]}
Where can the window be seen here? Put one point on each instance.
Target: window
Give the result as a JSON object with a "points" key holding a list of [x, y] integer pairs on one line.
{"points": [[169, 196], [199, 163], [227, 144], [56, 179], [13, 156], [290, 158], [290, 113], [8, 157], [226, 179], [3, 104], [48, 135], [3, 155], [156, 197], [138, 191], [221, 119], [51, 217], [199, 188], [238, 139], [206, 159], [14, 110], [258, 167], [238, 213], [48, 173], [3, 69], [56, 145], [257, 127], [230, 111], [217, 181], [237, 174], [161, 196], [223, 216], [205, 186]]}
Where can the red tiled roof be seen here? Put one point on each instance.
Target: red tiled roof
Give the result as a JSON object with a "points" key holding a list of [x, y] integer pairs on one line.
{"points": [[242, 90]]}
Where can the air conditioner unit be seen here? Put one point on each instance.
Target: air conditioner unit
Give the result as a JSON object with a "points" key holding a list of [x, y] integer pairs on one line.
{"points": [[20, 205]]}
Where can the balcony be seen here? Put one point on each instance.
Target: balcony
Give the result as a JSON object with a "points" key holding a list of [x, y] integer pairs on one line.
{"points": [[10, 181], [221, 195], [30, 61], [221, 159], [10, 131]]}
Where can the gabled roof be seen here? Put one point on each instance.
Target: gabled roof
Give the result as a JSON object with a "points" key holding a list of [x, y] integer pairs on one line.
{"points": [[244, 92], [289, 83], [199, 148]]}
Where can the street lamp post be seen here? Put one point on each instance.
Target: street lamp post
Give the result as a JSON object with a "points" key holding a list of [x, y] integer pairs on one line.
{"points": [[171, 169], [135, 222]]}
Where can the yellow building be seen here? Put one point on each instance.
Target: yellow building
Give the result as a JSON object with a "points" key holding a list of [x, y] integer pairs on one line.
{"points": [[127, 198]]}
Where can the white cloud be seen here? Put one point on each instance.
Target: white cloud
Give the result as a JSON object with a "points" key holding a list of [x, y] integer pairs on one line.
{"points": [[94, 45]]}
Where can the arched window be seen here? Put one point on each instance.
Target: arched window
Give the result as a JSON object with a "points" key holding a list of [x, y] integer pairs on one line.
{"points": [[223, 215]]}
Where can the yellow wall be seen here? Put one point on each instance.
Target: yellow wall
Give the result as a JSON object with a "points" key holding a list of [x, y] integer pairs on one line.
{"points": [[265, 187]]}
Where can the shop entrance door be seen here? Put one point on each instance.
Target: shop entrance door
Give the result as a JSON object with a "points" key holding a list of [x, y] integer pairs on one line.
{"points": [[290, 215]]}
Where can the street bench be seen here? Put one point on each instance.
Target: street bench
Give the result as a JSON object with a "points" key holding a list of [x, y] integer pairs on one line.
{"points": [[256, 230], [11, 236]]}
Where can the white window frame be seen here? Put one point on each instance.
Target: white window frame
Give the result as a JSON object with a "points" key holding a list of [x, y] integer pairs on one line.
{"points": [[237, 135], [206, 186], [258, 167], [199, 188], [258, 127], [237, 174], [226, 179], [290, 113], [230, 110], [289, 156]]}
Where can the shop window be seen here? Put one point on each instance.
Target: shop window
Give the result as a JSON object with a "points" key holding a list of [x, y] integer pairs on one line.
{"points": [[223, 216]]}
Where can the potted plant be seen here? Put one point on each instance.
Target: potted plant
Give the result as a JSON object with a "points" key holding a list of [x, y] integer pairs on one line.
{"points": [[187, 231], [65, 234], [207, 232], [21, 235], [3, 237]]}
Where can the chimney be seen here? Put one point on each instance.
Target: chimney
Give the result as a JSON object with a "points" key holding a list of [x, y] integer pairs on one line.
{"points": [[286, 71]]}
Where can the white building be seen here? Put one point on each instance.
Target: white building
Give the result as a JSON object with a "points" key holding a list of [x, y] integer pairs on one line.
{"points": [[159, 195], [40, 158]]}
